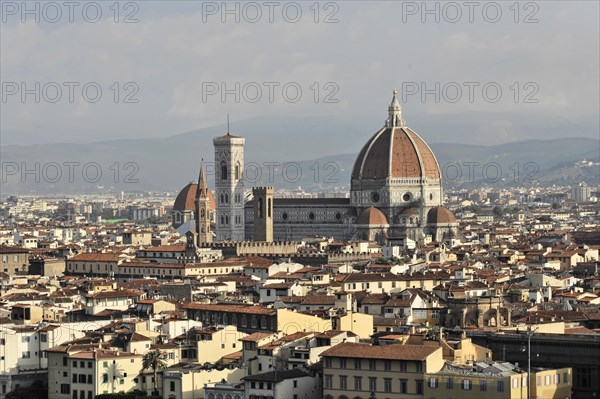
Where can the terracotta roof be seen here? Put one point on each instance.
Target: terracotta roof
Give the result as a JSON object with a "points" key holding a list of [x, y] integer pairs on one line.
{"points": [[440, 215], [396, 152], [372, 216], [186, 199], [392, 352], [165, 248], [229, 308], [6, 249], [96, 257]]}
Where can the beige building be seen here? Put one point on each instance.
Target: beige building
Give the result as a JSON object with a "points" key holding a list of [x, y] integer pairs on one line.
{"points": [[13, 259], [84, 371], [389, 371]]}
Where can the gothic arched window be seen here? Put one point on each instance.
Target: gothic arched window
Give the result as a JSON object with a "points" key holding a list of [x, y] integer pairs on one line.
{"points": [[237, 171], [270, 205], [223, 170], [260, 208]]}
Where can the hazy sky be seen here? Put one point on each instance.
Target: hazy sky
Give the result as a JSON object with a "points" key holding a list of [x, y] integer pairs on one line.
{"points": [[543, 56]]}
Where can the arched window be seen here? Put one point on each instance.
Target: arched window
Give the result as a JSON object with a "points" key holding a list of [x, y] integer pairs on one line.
{"points": [[222, 198], [237, 171], [226, 219], [270, 205], [202, 214], [260, 208], [226, 198], [223, 170], [222, 219]]}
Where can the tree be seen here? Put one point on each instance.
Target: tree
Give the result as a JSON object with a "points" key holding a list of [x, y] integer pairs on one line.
{"points": [[156, 361]]}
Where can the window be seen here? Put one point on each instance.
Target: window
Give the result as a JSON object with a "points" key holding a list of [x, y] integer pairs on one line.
{"points": [[419, 367], [565, 378], [372, 364], [387, 385], [343, 382], [483, 385], [419, 387], [65, 361], [500, 386], [43, 337], [372, 384], [557, 379], [223, 170], [89, 365], [466, 385], [403, 386], [328, 362], [26, 355], [387, 365], [342, 363], [357, 364], [65, 388], [358, 383], [402, 366], [450, 383], [89, 379], [105, 378], [74, 364], [548, 380], [433, 382], [515, 383], [172, 386], [328, 382]]}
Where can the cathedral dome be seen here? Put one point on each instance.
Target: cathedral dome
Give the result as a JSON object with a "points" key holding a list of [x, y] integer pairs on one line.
{"points": [[396, 151], [440, 215], [186, 199], [372, 216]]}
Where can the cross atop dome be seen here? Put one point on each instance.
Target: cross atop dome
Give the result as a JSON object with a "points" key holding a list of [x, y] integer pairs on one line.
{"points": [[395, 113]]}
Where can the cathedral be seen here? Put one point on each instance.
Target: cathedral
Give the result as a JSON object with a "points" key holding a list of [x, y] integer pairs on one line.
{"points": [[395, 193]]}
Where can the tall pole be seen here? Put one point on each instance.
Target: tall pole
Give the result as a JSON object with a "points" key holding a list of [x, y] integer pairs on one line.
{"points": [[529, 362]]}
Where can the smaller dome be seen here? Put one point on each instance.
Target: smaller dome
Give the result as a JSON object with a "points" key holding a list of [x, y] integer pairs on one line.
{"points": [[409, 212], [440, 215], [186, 199], [372, 216]]}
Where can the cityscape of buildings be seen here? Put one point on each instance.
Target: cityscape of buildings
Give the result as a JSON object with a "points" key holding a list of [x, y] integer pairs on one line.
{"points": [[400, 288]]}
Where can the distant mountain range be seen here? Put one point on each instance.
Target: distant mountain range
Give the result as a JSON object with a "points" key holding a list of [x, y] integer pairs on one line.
{"points": [[297, 144]]}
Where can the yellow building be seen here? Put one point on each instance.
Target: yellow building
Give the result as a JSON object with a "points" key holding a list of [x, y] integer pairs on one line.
{"points": [[388, 371], [498, 380], [214, 343]]}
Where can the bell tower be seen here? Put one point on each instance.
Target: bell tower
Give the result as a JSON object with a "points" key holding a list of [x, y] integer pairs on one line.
{"points": [[263, 213], [229, 184], [203, 232]]}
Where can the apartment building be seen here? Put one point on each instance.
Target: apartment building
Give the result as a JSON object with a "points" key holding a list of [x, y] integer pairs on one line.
{"points": [[391, 371], [84, 371], [13, 259]]}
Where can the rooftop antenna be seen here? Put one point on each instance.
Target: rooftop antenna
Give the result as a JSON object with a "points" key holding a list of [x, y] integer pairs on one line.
{"points": [[228, 124]]}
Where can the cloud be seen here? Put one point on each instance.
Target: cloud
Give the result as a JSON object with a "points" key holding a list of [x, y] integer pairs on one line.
{"points": [[175, 48]]}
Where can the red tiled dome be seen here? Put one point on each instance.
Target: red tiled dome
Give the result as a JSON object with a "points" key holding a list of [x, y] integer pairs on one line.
{"points": [[372, 216], [186, 199], [395, 152], [440, 215]]}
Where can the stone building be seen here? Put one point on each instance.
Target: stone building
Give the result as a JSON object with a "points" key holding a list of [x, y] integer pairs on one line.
{"points": [[396, 193]]}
